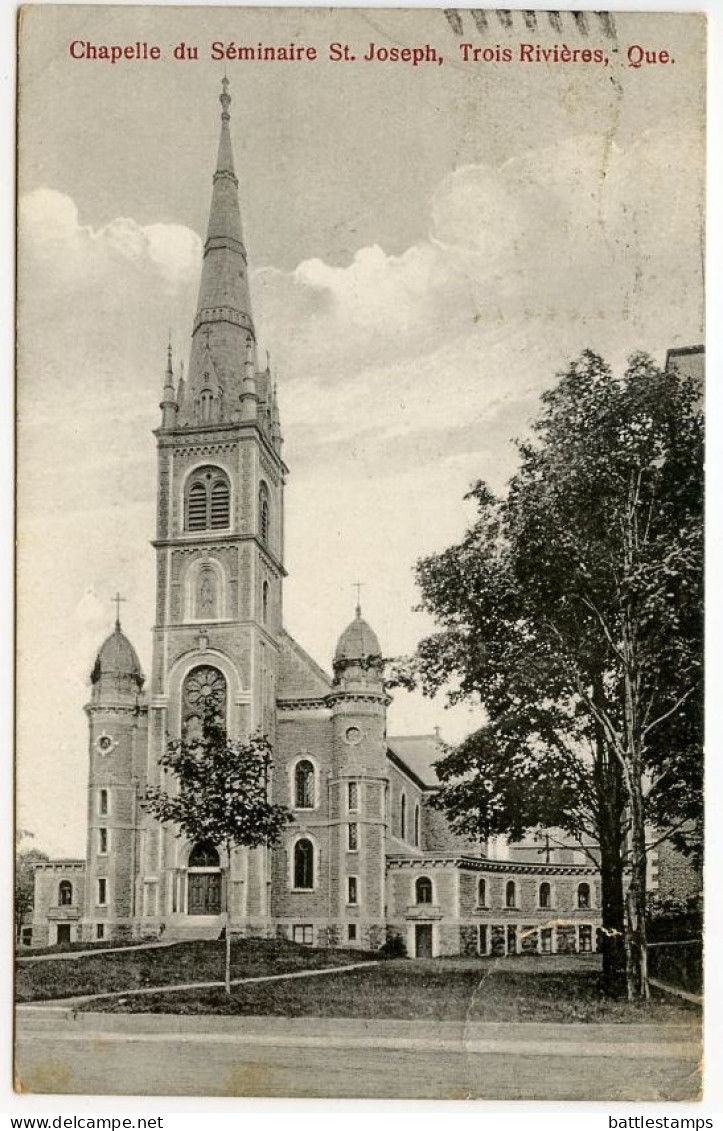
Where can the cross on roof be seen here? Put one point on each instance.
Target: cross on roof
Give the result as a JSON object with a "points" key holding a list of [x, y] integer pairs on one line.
{"points": [[358, 585], [117, 600]]}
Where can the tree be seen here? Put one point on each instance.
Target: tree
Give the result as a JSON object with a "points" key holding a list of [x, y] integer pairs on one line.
{"points": [[219, 795], [25, 861], [573, 610]]}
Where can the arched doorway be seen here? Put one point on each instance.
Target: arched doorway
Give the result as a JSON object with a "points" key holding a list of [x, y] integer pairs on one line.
{"points": [[204, 880]]}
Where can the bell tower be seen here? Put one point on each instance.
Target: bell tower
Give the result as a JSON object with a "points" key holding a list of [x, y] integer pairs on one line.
{"points": [[219, 550]]}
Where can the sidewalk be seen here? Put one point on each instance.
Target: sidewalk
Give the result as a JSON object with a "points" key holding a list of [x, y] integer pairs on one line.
{"points": [[649, 1042]]}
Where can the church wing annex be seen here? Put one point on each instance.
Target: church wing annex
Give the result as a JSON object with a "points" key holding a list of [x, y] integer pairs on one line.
{"points": [[366, 857]]}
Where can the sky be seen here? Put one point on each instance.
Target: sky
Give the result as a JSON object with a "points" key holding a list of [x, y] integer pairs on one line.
{"points": [[428, 247]]}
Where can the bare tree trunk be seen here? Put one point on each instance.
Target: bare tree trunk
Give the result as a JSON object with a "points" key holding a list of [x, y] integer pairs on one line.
{"points": [[227, 909], [612, 942], [637, 902], [607, 777]]}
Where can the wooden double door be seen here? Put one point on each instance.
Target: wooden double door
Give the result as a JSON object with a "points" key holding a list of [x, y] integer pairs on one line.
{"points": [[204, 893]]}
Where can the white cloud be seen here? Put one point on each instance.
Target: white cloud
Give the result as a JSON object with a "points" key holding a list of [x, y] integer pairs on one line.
{"points": [[402, 378]]}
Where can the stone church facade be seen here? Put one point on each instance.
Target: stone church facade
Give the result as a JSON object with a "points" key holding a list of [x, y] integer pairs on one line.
{"points": [[366, 856]]}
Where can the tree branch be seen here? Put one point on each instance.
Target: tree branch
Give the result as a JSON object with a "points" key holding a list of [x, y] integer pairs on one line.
{"points": [[661, 718]]}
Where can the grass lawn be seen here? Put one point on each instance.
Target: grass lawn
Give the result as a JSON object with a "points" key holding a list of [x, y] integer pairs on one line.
{"points": [[68, 948], [198, 961], [522, 989]]}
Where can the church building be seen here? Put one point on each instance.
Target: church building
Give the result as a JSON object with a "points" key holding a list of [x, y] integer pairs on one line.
{"points": [[367, 857]]}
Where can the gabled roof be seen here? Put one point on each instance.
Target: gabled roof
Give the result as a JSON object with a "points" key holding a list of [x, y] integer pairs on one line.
{"points": [[417, 753], [300, 677]]}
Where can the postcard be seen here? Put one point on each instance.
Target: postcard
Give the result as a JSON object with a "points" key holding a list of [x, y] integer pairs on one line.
{"points": [[360, 542]]}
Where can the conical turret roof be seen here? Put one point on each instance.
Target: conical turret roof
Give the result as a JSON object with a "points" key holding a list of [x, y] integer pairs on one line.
{"points": [[358, 641], [117, 657]]}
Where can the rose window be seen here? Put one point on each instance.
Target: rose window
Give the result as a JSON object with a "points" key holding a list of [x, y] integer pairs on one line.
{"points": [[204, 691]]}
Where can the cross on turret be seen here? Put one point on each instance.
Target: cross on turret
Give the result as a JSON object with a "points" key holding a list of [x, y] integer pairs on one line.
{"points": [[358, 585], [117, 601]]}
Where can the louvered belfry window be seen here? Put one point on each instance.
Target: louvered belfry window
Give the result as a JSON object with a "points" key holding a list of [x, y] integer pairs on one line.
{"points": [[208, 500], [220, 505]]}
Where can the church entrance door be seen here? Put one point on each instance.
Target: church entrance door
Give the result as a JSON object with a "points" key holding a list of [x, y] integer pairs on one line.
{"points": [[204, 893]]}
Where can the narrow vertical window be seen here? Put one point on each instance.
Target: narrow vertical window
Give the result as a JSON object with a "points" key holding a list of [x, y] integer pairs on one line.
{"points": [[100, 931], [403, 817], [303, 864], [352, 837], [482, 893], [352, 890], [545, 897], [102, 891], [304, 785], [510, 894], [103, 802], [583, 896], [102, 841], [482, 938], [416, 826], [585, 939], [264, 514], [265, 602], [352, 797]]}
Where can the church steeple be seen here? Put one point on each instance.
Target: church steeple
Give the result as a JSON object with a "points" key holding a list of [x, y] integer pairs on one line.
{"points": [[223, 325]]}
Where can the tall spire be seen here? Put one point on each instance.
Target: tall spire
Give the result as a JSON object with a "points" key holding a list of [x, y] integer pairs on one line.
{"points": [[223, 322]]}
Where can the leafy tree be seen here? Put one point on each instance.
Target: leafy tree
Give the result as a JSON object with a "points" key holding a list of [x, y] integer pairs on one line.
{"points": [[573, 610], [25, 861], [219, 794]]}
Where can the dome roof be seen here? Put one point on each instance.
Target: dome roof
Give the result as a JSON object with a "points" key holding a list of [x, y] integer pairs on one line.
{"points": [[117, 657], [358, 641]]}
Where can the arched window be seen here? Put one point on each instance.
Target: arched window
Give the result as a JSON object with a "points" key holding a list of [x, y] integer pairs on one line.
{"points": [[206, 400], [264, 602], [423, 890], [303, 864], [416, 826], [403, 817], [65, 893], [208, 500], [545, 895], [204, 855], [583, 895], [204, 693], [510, 894], [482, 893], [264, 513], [304, 785]]}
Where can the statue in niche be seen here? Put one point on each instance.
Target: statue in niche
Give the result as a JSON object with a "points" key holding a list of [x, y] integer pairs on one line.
{"points": [[207, 595]]}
